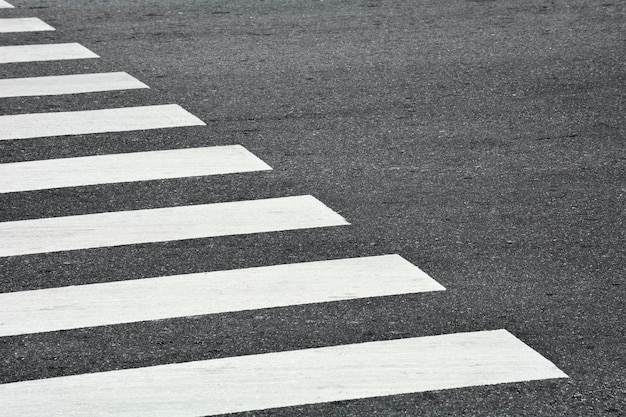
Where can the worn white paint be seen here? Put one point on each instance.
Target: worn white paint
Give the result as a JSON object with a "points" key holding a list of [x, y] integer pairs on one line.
{"points": [[5, 5], [124, 119], [45, 52], [209, 293], [68, 84], [139, 166], [164, 224], [23, 24], [284, 379]]}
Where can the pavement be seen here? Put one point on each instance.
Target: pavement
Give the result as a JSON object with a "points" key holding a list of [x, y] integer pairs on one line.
{"points": [[482, 141]]}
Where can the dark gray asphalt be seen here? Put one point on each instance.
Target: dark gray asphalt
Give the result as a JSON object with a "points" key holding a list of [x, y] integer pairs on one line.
{"points": [[482, 140]]}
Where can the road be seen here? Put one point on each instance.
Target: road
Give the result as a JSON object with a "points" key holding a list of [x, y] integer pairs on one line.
{"points": [[479, 141]]}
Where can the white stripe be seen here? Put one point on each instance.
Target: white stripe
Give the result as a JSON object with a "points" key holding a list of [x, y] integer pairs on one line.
{"points": [[46, 52], [140, 166], [35, 125], [25, 24], [164, 224], [5, 5], [68, 84], [284, 379], [209, 293]]}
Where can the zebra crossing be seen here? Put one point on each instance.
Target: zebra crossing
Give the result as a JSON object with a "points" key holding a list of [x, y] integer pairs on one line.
{"points": [[28, 24], [209, 293], [68, 84], [99, 230], [37, 125], [215, 386], [136, 166], [44, 52], [284, 379]]}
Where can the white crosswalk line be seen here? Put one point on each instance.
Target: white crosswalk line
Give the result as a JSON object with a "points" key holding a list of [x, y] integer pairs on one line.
{"points": [[68, 84], [138, 166], [209, 293], [34, 125], [284, 379], [23, 24], [5, 5], [46, 52], [164, 224]]}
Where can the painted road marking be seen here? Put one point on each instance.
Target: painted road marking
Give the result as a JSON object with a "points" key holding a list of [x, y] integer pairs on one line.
{"points": [[46, 52], [285, 379], [139, 166], [209, 293], [23, 24], [164, 224], [68, 84], [34, 125], [5, 5]]}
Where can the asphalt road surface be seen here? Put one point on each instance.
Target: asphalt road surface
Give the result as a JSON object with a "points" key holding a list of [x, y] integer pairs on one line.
{"points": [[481, 141]]}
